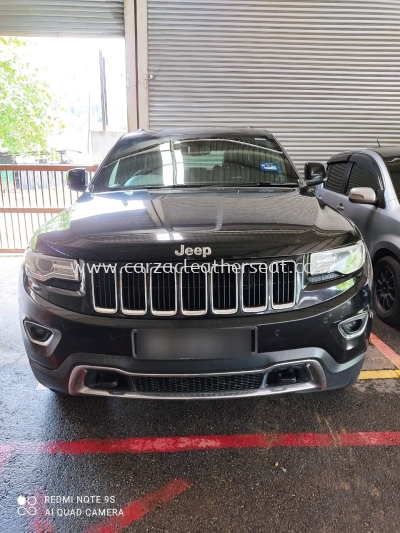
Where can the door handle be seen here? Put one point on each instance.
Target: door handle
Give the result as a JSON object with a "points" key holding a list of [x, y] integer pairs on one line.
{"points": [[340, 207]]}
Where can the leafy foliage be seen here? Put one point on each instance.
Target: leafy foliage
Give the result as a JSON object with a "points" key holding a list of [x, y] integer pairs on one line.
{"points": [[26, 119]]}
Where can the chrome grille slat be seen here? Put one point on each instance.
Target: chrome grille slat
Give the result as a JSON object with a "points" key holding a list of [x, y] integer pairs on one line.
{"points": [[283, 274], [254, 288], [163, 293], [196, 293], [104, 291], [224, 292], [133, 292]]}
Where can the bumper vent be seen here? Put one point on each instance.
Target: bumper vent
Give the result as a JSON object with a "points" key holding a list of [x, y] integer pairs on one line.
{"points": [[283, 284], [197, 384]]}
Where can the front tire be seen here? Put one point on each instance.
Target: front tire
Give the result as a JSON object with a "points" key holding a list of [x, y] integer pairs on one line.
{"points": [[386, 293]]}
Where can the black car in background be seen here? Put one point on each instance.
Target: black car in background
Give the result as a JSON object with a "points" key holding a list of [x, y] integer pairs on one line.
{"points": [[196, 264]]}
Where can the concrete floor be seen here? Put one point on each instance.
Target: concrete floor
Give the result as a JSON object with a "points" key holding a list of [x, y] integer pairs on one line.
{"points": [[55, 446]]}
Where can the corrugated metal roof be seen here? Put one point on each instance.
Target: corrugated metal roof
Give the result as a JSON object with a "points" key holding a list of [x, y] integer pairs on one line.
{"points": [[64, 18], [323, 76]]}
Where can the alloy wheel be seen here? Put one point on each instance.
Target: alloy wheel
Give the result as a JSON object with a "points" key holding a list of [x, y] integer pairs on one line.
{"points": [[385, 288]]}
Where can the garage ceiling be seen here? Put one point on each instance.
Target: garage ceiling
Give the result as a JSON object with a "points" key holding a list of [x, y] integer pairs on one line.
{"points": [[62, 18]]}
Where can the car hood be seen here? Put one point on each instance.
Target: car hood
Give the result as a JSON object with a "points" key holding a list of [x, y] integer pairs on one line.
{"points": [[139, 226]]}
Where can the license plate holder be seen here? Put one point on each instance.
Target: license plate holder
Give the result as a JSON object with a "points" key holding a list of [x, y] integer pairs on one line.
{"points": [[193, 344]]}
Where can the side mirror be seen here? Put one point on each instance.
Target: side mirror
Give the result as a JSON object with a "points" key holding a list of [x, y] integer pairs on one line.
{"points": [[362, 195], [77, 179], [314, 174]]}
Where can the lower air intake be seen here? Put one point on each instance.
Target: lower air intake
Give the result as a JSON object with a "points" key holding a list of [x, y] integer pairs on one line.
{"points": [[197, 384]]}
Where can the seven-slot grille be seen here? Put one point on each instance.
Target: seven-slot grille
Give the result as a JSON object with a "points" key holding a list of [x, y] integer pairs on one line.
{"points": [[255, 288]]}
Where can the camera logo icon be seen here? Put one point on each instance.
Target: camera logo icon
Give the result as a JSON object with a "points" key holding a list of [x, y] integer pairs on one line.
{"points": [[27, 505]]}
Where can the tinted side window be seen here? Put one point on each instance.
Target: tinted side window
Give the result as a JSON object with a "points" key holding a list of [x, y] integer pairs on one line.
{"points": [[336, 174], [360, 177], [393, 166]]}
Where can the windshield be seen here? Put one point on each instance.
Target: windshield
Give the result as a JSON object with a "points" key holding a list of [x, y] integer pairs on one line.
{"points": [[239, 161]]}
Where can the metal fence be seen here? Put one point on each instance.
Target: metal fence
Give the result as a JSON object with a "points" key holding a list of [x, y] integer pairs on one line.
{"points": [[29, 196]]}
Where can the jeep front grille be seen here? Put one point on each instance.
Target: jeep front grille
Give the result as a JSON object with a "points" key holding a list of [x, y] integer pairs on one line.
{"points": [[256, 288]]}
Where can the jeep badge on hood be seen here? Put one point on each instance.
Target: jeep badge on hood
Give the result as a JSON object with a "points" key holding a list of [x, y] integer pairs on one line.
{"points": [[204, 252]]}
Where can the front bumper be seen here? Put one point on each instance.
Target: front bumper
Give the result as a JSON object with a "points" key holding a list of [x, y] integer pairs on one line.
{"points": [[307, 338]]}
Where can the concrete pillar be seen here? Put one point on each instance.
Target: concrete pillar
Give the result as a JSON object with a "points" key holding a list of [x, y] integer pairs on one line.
{"points": [[131, 64], [144, 78]]}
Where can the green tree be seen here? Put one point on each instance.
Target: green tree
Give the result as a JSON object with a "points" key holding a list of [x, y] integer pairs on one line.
{"points": [[26, 117]]}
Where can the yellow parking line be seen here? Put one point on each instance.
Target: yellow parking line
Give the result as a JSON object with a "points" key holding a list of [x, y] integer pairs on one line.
{"points": [[386, 350], [379, 374]]}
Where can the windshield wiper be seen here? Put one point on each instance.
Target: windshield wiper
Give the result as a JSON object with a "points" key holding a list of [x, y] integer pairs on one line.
{"points": [[233, 185], [206, 186], [270, 184], [179, 186], [141, 188]]}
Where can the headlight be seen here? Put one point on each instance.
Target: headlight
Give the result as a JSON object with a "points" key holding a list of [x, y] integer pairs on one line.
{"points": [[44, 267], [343, 261]]}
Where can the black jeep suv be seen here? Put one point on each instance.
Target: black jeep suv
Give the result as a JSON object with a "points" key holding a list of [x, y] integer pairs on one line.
{"points": [[196, 264]]}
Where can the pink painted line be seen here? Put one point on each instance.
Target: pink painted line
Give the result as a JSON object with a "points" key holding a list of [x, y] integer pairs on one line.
{"points": [[159, 444], [143, 445], [138, 508], [386, 350], [207, 442], [384, 438]]}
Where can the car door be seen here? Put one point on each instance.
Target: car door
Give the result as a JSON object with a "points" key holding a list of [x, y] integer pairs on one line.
{"points": [[363, 171], [332, 191]]}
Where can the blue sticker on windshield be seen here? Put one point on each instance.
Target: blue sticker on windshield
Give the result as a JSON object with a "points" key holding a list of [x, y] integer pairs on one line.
{"points": [[269, 167]]}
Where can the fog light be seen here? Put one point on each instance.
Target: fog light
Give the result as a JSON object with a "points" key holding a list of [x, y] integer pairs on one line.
{"points": [[38, 334], [354, 326]]}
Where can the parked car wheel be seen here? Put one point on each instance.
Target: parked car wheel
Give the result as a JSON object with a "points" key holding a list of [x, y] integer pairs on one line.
{"points": [[387, 290]]}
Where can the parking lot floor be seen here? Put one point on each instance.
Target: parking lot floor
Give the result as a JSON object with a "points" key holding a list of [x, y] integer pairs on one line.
{"points": [[320, 462]]}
